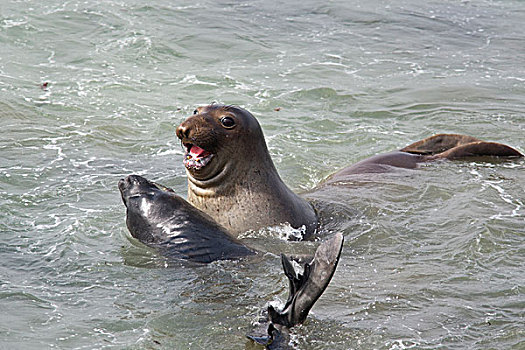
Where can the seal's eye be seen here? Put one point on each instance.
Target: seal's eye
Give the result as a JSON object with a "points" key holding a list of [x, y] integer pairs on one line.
{"points": [[228, 122], [195, 112]]}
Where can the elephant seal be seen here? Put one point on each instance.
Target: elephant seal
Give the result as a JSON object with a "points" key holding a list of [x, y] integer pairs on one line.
{"points": [[159, 218], [441, 146], [232, 178]]}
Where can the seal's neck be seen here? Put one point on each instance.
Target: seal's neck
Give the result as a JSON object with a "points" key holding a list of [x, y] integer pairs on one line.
{"points": [[250, 195], [239, 180]]}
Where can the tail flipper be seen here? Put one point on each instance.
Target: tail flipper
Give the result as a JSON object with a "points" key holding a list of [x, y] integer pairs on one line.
{"points": [[438, 144], [455, 146], [307, 287], [479, 149]]}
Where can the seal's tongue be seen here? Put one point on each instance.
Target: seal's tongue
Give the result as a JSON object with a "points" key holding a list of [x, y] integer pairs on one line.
{"points": [[197, 152], [197, 158]]}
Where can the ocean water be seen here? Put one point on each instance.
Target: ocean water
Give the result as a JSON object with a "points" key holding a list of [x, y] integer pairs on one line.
{"points": [[91, 91]]}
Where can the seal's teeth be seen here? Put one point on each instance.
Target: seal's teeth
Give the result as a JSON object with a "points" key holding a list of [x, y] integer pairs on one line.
{"points": [[193, 161]]}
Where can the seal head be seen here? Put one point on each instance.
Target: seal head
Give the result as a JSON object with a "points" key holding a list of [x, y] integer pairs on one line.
{"points": [[157, 217], [231, 176]]}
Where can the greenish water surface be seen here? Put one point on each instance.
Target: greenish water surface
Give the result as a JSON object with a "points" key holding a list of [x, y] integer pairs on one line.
{"points": [[91, 91]]}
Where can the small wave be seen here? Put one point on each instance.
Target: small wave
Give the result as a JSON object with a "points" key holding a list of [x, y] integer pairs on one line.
{"points": [[402, 344], [283, 232], [193, 80], [10, 23]]}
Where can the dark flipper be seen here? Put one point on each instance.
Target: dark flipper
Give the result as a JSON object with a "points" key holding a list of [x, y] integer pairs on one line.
{"points": [[305, 289], [454, 146]]}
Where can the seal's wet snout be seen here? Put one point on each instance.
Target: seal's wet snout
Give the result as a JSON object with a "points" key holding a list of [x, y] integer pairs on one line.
{"points": [[134, 185], [182, 131]]}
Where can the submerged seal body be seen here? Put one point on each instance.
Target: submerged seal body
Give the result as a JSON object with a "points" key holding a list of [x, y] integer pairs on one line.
{"points": [[159, 218], [232, 178]]}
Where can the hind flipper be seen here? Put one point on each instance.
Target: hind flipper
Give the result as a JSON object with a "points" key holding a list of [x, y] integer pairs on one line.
{"points": [[307, 287], [479, 149], [456, 146], [438, 144]]}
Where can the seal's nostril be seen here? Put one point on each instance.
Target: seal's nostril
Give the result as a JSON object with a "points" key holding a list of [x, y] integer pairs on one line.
{"points": [[182, 131]]}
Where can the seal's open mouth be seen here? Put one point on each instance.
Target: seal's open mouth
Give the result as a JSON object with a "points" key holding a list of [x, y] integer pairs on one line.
{"points": [[196, 157]]}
